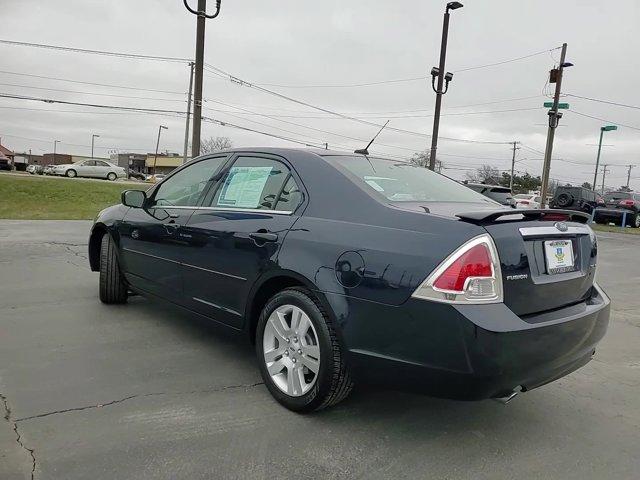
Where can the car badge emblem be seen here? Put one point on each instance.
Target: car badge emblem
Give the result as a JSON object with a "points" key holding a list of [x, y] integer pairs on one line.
{"points": [[561, 226]]}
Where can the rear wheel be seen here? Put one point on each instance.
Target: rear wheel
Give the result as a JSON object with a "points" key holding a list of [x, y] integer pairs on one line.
{"points": [[71, 173], [112, 176], [301, 360], [112, 286], [636, 220]]}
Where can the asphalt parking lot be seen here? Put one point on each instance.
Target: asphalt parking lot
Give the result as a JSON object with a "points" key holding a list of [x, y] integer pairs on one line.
{"points": [[145, 391]]}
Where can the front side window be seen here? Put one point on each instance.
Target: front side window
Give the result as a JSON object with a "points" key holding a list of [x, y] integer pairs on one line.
{"points": [[404, 182], [101, 164], [88, 163], [185, 187], [252, 183]]}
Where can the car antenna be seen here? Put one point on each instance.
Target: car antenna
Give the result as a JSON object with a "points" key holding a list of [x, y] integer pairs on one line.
{"points": [[365, 150]]}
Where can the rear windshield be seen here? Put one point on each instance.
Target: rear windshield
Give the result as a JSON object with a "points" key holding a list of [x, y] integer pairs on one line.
{"points": [[502, 195], [403, 182], [617, 196]]}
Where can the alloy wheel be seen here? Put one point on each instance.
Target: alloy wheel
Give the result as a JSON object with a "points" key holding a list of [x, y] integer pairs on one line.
{"points": [[291, 350]]}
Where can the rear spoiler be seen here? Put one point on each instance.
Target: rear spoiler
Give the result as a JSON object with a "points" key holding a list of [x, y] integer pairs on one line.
{"points": [[486, 217]]}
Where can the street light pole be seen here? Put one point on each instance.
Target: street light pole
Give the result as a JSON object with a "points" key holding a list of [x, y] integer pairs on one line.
{"points": [[155, 157], [93, 137], [55, 142], [439, 72], [554, 118], [606, 128], [197, 100], [629, 167]]}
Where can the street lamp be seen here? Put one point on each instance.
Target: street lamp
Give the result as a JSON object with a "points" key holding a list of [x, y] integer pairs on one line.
{"points": [[157, 145], [55, 142], [439, 73], [93, 137], [606, 128]]}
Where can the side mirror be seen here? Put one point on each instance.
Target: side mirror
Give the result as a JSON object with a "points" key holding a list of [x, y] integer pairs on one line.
{"points": [[133, 198]]}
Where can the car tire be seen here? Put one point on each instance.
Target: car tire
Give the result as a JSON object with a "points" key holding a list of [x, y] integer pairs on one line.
{"points": [[113, 288], [112, 177], [71, 173], [331, 383], [636, 221]]}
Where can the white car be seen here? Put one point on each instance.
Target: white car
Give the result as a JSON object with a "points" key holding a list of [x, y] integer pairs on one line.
{"points": [[526, 200], [91, 168]]}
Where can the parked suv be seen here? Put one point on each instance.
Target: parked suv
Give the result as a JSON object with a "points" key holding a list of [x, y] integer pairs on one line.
{"points": [[617, 204], [500, 194], [576, 198]]}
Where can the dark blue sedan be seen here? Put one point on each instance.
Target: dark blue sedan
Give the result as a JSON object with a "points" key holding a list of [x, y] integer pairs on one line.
{"points": [[345, 268]]}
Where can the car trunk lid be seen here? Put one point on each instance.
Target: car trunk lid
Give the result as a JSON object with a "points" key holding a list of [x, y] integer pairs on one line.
{"points": [[548, 257]]}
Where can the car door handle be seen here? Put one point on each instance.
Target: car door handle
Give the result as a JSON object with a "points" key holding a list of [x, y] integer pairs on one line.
{"points": [[264, 236]]}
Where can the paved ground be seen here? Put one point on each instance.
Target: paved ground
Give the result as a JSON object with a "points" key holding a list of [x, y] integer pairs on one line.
{"points": [[142, 391]]}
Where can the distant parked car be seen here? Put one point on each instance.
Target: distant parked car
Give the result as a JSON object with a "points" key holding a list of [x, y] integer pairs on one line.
{"points": [[617, 204], [137, 175], [91, 168], [576, 198], [48, 170], [5, 163], [155, 178], [500, 194], [527, 200]]}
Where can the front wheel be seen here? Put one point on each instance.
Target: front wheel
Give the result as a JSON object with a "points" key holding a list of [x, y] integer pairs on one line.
{"points": [[301, 361], [71, 173], [112, 286]]}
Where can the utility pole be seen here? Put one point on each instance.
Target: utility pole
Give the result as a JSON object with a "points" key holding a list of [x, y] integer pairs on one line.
{"points": [[55, 142], [442, 77], [629, 174], [186, 129], [554, 118], [201, 13], [155, 157], [604, 174], [513, 165]]}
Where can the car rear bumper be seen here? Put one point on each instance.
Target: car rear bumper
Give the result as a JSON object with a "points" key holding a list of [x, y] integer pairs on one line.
{"points": [[474, 352]]}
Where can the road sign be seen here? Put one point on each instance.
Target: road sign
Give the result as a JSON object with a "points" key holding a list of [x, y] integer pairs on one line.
{"points": [[561, 106]]}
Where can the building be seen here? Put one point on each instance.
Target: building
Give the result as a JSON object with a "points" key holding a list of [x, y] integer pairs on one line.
{"points": [[64, 158], [130, 161], [163, 163], [7, 157]]}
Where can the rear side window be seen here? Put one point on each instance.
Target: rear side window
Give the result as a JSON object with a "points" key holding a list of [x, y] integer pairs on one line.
{"points": [[253, 183], [403, 182], [290, 197]]}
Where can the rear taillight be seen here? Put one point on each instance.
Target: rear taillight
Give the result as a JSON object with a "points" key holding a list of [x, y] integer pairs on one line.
{"points": [[471, 274], [627, 203]]}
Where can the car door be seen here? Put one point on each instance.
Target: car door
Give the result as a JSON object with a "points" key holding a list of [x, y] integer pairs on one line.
{"points": [[151, 240], [101, 169], [85, 168], [237, 233]]}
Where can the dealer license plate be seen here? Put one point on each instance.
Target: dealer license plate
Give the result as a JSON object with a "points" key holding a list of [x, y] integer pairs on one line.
{"points": [[559, 255]]}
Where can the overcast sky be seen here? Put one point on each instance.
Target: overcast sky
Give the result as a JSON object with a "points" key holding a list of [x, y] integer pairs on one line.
{"points": [[309, 44]]}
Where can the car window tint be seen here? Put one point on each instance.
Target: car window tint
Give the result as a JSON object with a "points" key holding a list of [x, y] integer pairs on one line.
{"points": [[185, 187], [290, 197], [404, 182], [89, 163], [101, 164], [251, 183]]}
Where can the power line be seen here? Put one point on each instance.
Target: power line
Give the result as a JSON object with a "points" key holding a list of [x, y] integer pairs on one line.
{"points": [[135, 56], [604, 120], [110, 85], [221, 73], [92, 93], [602, 101]]}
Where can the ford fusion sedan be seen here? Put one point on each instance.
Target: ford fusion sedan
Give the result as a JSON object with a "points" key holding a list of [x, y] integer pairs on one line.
{"points": [[347, 269], [90, 168]]}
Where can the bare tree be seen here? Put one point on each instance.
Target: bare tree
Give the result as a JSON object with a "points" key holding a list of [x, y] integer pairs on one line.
{"points": [[215, 144], [485, 174], [421, 159]]}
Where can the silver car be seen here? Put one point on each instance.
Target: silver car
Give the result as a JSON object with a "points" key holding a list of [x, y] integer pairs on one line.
{"points": [[91, 168]]}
